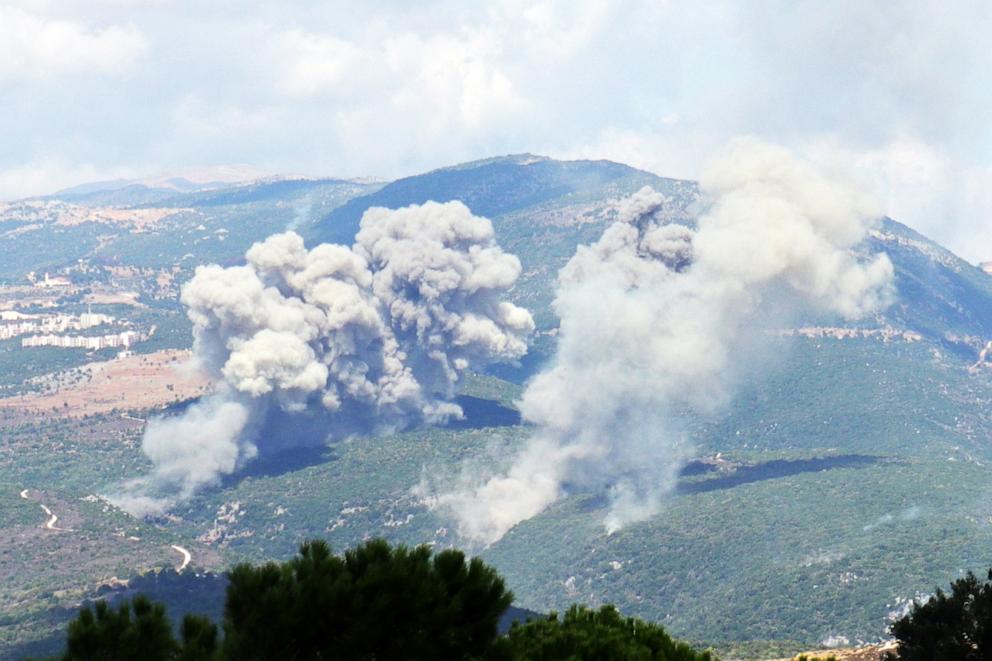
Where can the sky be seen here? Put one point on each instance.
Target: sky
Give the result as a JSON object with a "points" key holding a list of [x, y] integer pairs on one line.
{"points": [[895, 96]]}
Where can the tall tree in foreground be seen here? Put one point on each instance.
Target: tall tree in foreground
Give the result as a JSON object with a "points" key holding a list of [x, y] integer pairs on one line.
{"points": [[949, 627], [377, 602], [601, 634]]}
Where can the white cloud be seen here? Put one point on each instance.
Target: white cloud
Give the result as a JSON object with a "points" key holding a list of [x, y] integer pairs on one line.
{"points": [[314, 63], [437, 79], [35, 47], [452, 77], [391, 89], [552, 28], [196, 116]]}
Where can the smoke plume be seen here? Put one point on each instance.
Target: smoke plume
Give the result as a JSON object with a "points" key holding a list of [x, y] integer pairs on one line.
{"points": [[652, 318], [376, 334]]}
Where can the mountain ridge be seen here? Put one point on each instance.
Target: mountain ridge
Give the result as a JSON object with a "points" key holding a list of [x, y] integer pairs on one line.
{"points": [[788, 539]]}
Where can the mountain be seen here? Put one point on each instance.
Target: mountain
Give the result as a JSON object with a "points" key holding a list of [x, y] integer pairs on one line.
{"points": [[146, 190], [859, 459], [541, 209], [847, 477], [940, 295], [170, 228]]}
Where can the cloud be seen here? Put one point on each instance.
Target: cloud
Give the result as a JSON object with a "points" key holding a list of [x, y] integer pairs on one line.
{"points": [[221, 123], [390, 90], [554, 29], [33, 47], [314, 63], [442, 78]]}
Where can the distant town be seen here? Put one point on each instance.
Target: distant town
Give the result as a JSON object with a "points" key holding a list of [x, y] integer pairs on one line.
{"points": [[63, 329]]}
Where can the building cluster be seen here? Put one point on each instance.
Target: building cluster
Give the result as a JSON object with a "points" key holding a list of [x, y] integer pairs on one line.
{"points": [[122, 340], [52, 282], [13, 323]]}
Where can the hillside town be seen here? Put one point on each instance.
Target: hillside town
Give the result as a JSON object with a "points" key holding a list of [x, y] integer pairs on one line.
{"points": [[46, 313], [52, 330], [116, 340], [14, 323]]}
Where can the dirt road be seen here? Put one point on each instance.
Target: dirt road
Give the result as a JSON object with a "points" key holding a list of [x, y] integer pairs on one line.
{"points": [[187, 556]]}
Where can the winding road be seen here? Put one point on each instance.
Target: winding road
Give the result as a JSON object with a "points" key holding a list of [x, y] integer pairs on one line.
{"points": [[52, 517], [983, 355], [187, 556], [51, 522]]}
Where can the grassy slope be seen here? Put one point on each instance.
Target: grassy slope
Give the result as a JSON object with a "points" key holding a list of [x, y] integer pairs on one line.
{"points": [[796, 556]]}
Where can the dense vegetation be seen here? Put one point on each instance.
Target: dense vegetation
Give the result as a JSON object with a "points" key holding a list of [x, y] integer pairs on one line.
{"points": [[374, 602], [949, 627], [597, 634], [137, 630]]}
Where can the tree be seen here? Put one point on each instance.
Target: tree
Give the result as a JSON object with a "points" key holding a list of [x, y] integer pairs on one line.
{"points": [[604, 635], [199, 639], [376, 602], [957, 626], [101, 633], [137, 631]]}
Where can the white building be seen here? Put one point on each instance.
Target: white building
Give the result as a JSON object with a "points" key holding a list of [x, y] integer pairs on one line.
{"points": [[125, 340], [57, 281]]}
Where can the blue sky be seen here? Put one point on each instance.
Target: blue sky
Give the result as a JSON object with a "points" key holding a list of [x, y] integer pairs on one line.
{"points": [[893, 94]]}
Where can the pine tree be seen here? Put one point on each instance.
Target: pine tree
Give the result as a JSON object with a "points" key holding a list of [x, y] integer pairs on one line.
{"points": [[955, 626], [375, 602], [135, 631], [601, 634]]}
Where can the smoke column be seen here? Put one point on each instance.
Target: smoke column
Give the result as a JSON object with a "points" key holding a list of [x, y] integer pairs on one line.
{"points": [[651, 317], [376, 335]]}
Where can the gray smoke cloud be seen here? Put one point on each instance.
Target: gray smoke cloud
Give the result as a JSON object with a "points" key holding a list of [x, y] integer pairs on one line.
{"points": [[652, 317], [376, 334]]}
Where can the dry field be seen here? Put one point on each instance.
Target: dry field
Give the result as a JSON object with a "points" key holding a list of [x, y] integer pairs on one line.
{"points": [[132, 383], [137, 219], [866, 653]]}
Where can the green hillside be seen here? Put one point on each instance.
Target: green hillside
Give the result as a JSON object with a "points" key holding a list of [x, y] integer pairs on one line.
{"points": [[850, 473]]}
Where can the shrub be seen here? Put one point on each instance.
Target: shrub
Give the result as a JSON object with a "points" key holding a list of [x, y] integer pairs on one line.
{"points": [[955, 626]]}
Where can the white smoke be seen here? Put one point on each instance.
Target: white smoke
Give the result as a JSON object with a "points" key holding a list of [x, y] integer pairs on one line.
{"points": [[652, 317], [376, 334]]}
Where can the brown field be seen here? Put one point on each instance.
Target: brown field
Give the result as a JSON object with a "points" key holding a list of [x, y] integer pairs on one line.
{"points": [[132, 383], [138, 219], [866, 653]]}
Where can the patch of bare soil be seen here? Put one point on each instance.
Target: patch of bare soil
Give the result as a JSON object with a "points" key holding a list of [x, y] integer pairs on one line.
{"points": [[137, 219], [864, 653], [134, 382]]}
